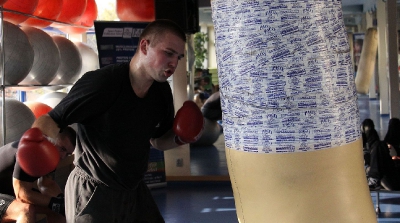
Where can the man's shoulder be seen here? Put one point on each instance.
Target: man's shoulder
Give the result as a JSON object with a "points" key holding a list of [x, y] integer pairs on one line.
{"points": [[12, 146], [117, 67], [107, 74]]}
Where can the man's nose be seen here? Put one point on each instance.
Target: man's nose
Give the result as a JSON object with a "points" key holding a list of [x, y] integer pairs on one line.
{"points": [[174, 62]]}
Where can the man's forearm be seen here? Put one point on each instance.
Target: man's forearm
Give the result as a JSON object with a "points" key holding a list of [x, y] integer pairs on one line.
{"points": [[47, 125]]}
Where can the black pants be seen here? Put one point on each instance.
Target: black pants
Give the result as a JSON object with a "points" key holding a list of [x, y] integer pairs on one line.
{"points": [[90, 201]]}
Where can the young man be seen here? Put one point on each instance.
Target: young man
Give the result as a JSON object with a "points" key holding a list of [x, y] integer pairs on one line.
{"points": [[121, 110], [23, 196]]}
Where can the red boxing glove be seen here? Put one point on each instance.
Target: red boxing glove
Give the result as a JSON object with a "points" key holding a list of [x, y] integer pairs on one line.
{"points": [[36, 155], [188, 124]]}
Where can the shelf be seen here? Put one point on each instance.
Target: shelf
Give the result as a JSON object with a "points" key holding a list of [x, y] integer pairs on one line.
{"points": [[4, 86], [16, 86], [41, 18]]}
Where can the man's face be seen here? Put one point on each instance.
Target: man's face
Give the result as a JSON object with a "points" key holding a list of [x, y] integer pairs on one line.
{"points": [[65, 147], [162, 58]]}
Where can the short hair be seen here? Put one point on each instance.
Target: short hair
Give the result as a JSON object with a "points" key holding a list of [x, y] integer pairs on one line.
{"points": [[393, 132], [367, 125], [157, 29], [206, 79], [70, 133], [198, 70]]}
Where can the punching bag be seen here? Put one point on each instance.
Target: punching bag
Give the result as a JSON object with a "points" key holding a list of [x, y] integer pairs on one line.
{"points": [[291, 121], [366, 66]]}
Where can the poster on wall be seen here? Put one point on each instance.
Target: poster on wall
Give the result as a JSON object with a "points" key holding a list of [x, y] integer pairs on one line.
{"points": [[117, 43], [155, 175]]}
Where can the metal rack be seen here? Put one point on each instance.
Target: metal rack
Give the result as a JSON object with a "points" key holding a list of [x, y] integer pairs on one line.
{"points": [[3, 85]]}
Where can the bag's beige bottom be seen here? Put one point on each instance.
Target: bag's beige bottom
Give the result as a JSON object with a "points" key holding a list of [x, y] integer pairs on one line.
{"points": [[322, 186]]}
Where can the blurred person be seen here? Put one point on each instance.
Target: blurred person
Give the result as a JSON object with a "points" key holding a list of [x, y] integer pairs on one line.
{"points": [[23, 196], [392, 137]]}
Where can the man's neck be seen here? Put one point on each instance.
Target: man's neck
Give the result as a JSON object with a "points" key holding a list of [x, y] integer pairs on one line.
{"points": [[139, 79]]}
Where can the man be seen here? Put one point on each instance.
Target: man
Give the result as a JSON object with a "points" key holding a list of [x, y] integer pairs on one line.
{"points": [[23, 196], [120, 111]]}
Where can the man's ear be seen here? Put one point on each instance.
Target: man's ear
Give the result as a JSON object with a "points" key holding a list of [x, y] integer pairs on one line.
{"points": [[143, 46]]}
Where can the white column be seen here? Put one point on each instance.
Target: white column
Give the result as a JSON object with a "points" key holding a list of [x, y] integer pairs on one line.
{"points": [[190, 66], [369, 17], [177, 161], [393, 58], [212, 60], [204, 29], [382, 58]]}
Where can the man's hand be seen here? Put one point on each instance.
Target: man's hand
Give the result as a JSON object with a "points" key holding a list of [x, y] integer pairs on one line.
{"points": [[188, 124], [48, 186], [36, 155]]}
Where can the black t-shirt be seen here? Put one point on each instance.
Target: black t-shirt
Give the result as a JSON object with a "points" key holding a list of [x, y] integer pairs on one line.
{"points": [[10, 168], [114, 125]]}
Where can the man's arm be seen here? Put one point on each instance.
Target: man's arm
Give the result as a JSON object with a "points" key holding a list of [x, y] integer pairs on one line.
{"points": [[165, 142], [47, 125], [24, 191], [46, 185], [188, 126]]}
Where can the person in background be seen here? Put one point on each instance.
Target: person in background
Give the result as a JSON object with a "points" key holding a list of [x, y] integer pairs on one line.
{"points": [[212, 107], [23, 196], [392, 137], [197, 78], [201, 94], [208, 86], [380, 168], [198, 73], [121, 110], [199, 98]]}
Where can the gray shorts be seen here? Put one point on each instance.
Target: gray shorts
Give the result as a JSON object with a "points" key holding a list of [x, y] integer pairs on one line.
{"points": [[5, 201], [90, 201]]}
